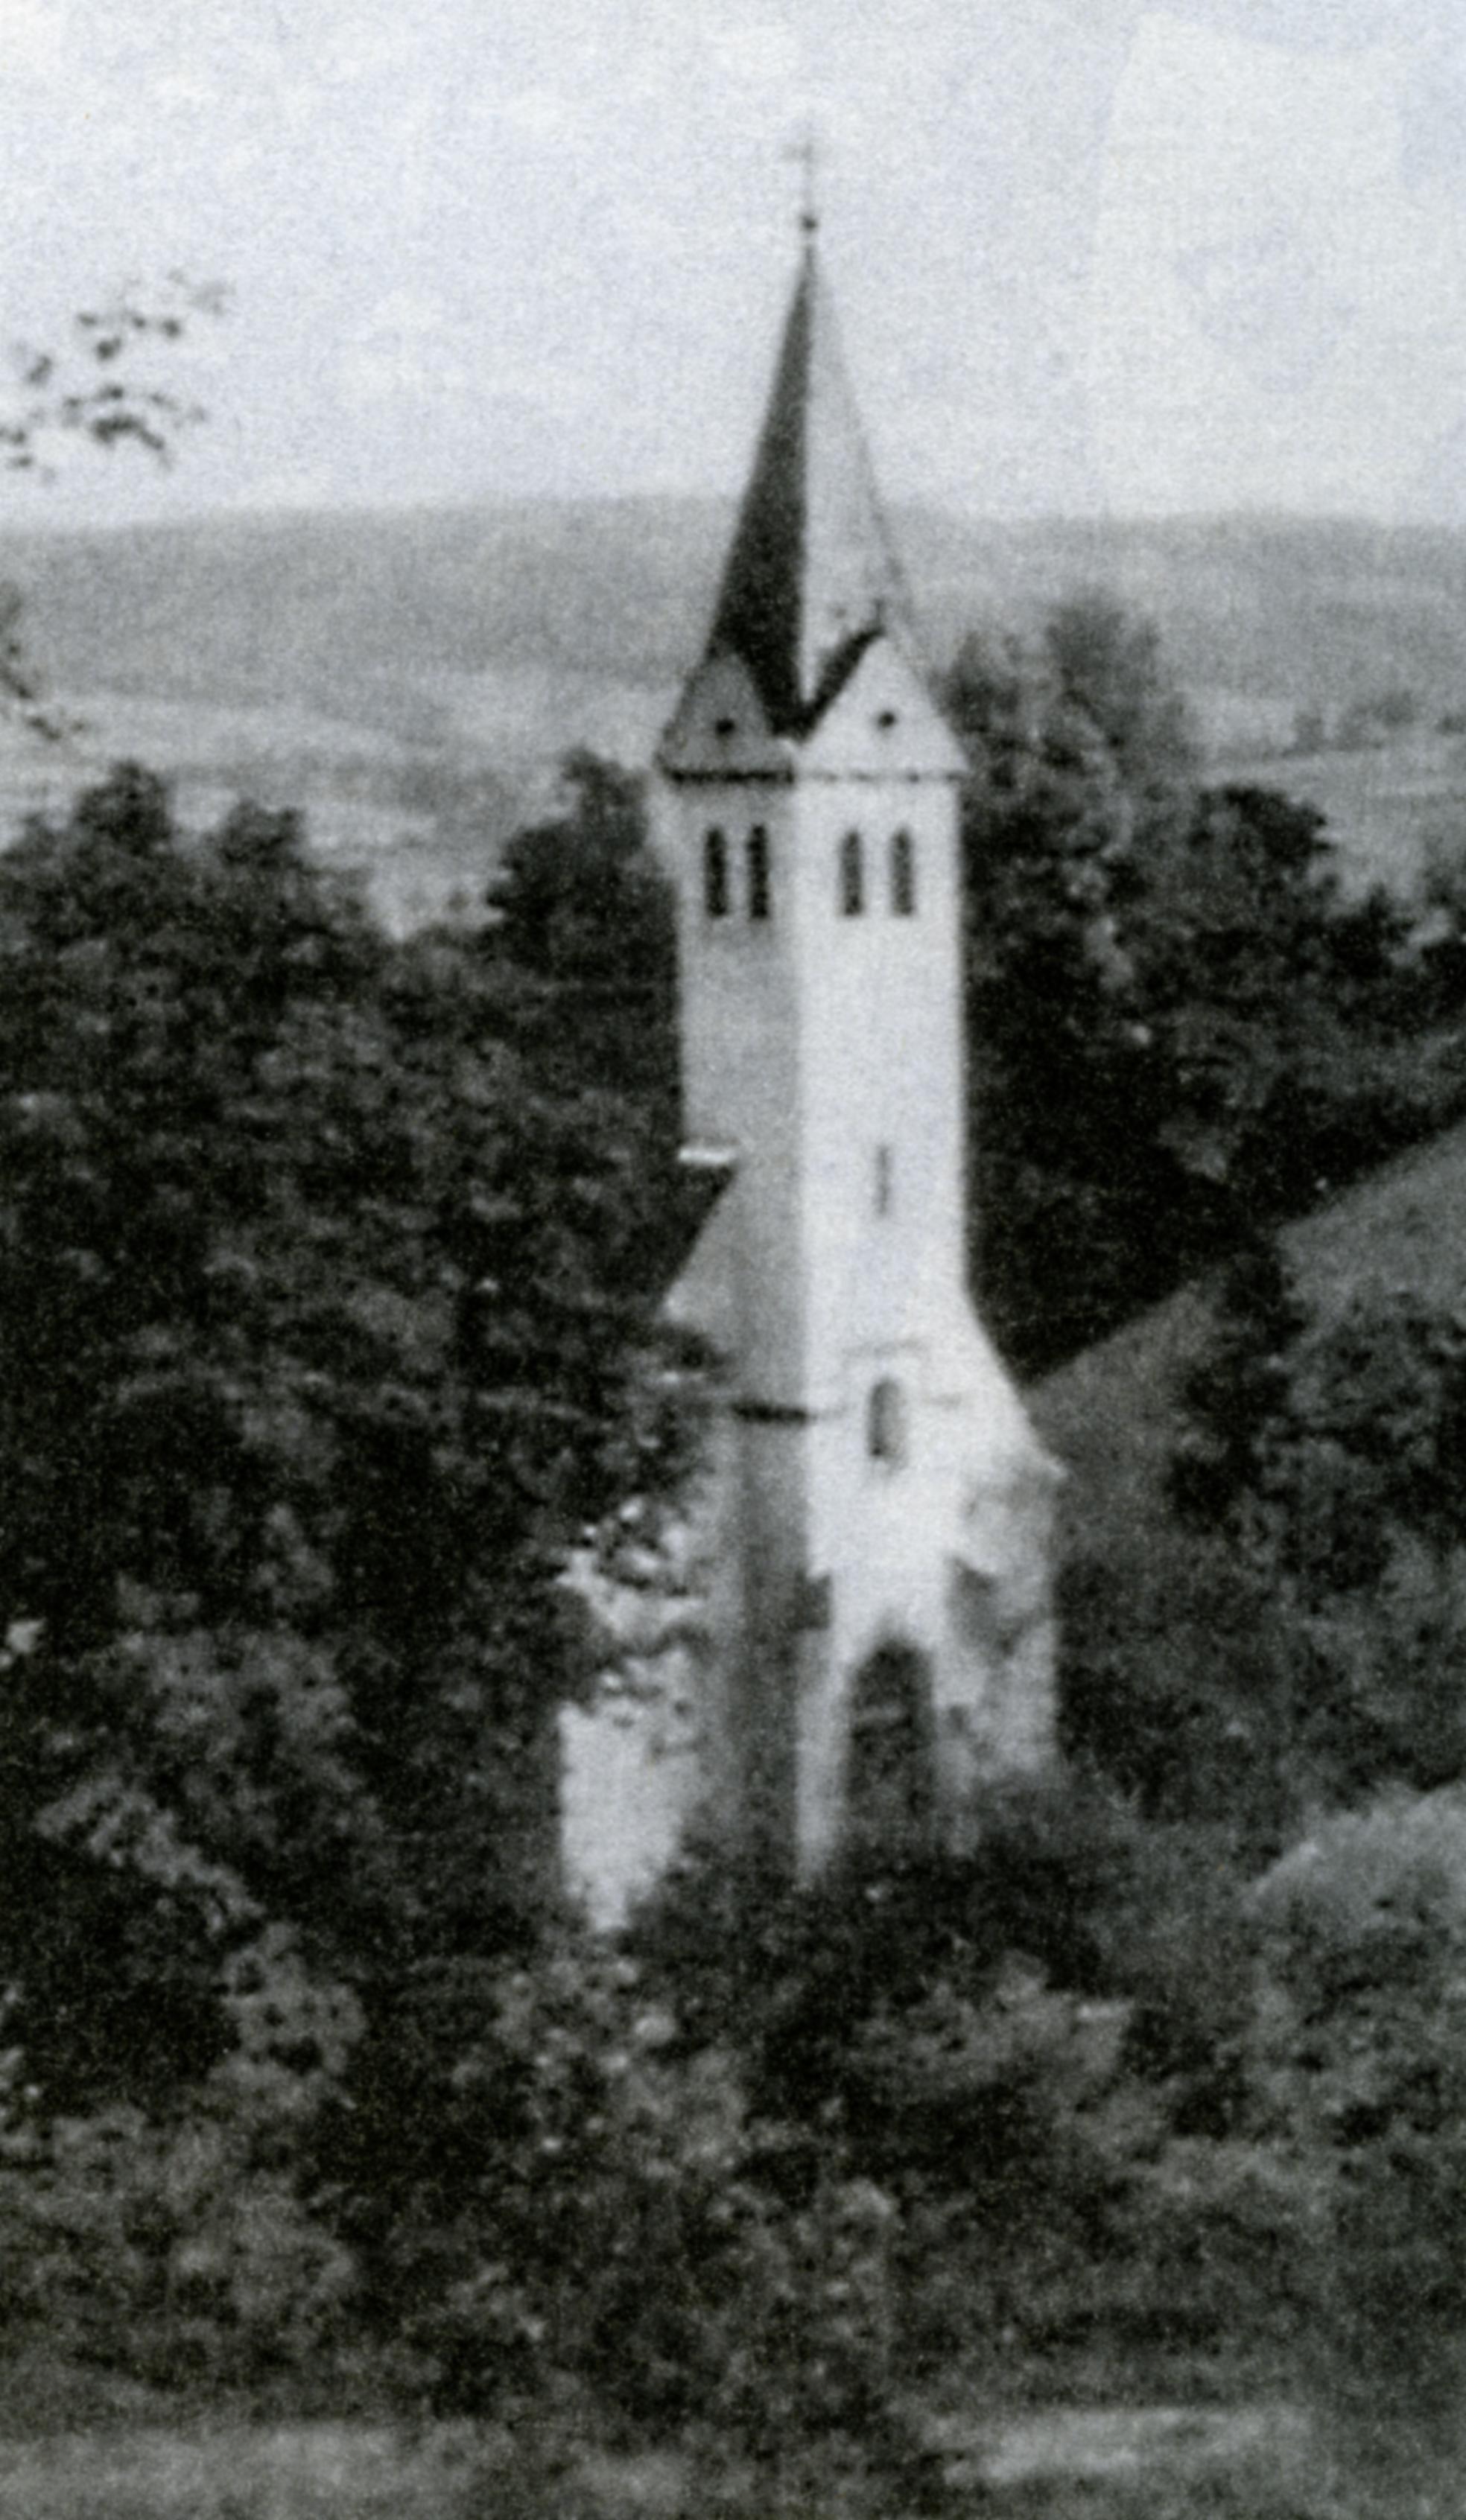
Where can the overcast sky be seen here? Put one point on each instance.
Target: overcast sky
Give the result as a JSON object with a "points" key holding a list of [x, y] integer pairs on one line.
{"points": [[1088, 255]]}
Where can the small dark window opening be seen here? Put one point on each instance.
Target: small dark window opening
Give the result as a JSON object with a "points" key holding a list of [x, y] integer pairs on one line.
{"points": [[759, 875], [725, 726], [885, 1425], [716, 876], [851, 876], [903, 875], [886, 720], [884, 1185]]}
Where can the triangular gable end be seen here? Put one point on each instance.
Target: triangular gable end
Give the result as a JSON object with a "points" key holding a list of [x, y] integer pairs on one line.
{"points": [[721, 730], [884, 723]]}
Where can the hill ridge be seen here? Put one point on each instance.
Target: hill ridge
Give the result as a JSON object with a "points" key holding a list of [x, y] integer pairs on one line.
{"points": [[353, 610]]}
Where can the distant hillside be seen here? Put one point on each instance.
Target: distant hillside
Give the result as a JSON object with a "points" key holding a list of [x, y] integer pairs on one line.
{"points": [[411, 678], [517, 628]]}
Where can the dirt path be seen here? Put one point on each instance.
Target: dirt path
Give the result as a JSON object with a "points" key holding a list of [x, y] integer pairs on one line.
{"points": [[322, 2471], [1113, 2442]]}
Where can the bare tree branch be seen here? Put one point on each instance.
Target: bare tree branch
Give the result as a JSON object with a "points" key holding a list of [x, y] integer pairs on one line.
{"points": [[85, 390]]}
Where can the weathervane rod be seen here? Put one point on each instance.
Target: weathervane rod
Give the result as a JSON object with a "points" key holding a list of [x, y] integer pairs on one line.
{"points": [[804, 150]]}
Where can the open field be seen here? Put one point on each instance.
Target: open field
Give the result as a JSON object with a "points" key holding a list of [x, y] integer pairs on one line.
{"points": [[423, 823], [240, 2472], [1393, 809], [526, 627], [377, 669]]}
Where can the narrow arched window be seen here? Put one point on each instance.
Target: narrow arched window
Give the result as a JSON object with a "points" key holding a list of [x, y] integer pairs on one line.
{"points": [[851, 876], [716, 876], [903, 875], [886, 1423], [758, 872], [885, 1181], [891, 1773]]}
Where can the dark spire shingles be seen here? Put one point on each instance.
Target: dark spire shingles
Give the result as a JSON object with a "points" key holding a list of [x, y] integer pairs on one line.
{"points": [[812, 576]]}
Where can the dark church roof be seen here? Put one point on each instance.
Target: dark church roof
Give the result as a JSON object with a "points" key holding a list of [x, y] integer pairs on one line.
{"points": [[812, 575]]}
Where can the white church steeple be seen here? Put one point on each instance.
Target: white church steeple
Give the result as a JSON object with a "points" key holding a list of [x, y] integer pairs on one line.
{"points": [[879, 1631], [885, 1642]]}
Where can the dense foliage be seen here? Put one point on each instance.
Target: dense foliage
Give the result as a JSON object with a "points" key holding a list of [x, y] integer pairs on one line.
{"points": [[1328, 1455], [325, 1277], [319, 1319], [1358, 2057], [586, 921], [1276, 1624], [1177, 1023]]}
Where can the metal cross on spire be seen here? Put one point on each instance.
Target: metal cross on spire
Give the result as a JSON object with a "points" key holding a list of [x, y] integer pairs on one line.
{"points": [[805, 151]]}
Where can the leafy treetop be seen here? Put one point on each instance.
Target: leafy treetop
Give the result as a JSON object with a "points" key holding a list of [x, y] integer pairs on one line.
{"points": [[321, 1325]]}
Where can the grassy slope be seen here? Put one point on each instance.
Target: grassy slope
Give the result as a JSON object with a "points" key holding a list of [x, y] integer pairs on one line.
{"points": [[1150, 2464], [1109, 1416], [1267, 2462], [1392, 809]]}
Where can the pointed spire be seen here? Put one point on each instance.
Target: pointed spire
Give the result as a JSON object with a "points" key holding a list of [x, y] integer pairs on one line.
{"points": [[812, 575]]}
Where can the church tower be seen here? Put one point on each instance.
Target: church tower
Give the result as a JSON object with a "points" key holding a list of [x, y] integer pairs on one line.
{"points": [[881, 1636]]}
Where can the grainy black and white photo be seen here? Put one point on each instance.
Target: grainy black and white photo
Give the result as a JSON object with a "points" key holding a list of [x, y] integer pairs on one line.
{"points": [[733, 1260]]}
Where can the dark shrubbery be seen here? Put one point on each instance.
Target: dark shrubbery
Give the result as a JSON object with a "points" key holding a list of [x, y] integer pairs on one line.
{"points": [[1358, 2061], [1013, 2049], [581, 2197], [1179, 1025]]}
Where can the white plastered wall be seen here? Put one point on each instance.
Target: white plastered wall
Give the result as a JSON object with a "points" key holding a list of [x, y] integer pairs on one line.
{"points": [[812, 1040]]}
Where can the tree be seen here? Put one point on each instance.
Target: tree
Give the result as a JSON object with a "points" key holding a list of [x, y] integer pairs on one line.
{"points": [[1108, 665], [586, 920], [1330, 1457], [90, 387], [1359, 2065], [1232, 1396], [1264, 991], [320, 1325], [1068, 1091], [1334, 1444], [1178, 1023], [583, 954]]}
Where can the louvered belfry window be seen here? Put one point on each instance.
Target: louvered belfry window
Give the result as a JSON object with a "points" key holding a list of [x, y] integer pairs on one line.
{"points": [[759, 897]]}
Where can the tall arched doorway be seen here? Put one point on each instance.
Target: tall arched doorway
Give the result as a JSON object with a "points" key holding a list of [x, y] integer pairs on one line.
{"points": [[891, 1773]]}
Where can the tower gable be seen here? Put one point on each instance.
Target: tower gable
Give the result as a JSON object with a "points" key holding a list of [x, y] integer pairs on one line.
{"points": [[721, 730], [883, 725]]}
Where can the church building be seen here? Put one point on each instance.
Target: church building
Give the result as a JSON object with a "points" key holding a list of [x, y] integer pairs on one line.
{"points": [[877, 1638]]}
